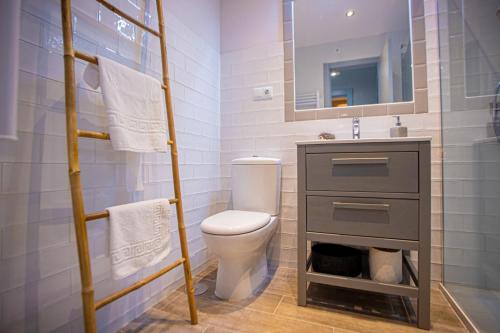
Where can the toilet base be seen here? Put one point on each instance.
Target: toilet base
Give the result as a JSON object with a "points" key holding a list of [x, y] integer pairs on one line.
{"points": [[239, 278]]}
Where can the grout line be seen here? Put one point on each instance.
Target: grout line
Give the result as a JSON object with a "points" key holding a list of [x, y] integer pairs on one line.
{"points": [[279, 303]]}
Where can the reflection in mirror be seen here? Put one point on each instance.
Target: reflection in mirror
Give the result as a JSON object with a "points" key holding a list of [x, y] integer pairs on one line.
{"points": [[352, 52], [481, 24]]}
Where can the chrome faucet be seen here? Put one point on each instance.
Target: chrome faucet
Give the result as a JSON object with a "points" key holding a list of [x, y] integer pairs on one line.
{"points": [[356, 129]]}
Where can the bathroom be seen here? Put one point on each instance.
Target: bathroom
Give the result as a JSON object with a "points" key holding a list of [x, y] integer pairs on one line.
{"points": [[248, 88]]}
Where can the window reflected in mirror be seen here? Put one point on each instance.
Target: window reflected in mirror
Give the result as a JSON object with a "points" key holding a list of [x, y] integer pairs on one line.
{"points": [[352, 52]]}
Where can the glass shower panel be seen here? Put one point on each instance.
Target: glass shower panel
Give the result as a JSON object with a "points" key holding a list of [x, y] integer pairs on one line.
{"points": [[469, 37]]}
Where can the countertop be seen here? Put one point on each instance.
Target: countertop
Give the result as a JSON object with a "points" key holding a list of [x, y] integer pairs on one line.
{"points": [[365, 140]]}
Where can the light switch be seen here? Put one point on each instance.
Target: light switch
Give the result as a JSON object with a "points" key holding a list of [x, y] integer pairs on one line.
{"points": [[262, 93]]}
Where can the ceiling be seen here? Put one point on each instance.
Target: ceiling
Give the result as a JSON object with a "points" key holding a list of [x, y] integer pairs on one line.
{"points": [[324, 21]]}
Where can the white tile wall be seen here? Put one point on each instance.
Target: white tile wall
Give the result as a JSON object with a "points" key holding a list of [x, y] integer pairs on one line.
{"points": [[250, 127], [39, 274]]}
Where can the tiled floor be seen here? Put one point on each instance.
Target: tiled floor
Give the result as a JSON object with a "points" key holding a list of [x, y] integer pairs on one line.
{"points": [[274, 309], [481, 306]]}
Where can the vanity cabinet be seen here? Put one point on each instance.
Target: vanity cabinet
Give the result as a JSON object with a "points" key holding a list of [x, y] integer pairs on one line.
{"points": [[367, 193]]}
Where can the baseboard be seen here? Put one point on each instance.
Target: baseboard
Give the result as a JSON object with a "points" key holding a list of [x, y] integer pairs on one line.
{"points": [[458, 310]]}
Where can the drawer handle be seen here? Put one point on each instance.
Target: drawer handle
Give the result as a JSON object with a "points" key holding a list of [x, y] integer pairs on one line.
{"points": [[360, 160], [361, 206]]}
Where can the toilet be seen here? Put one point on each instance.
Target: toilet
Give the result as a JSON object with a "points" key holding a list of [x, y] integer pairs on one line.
{"points": [[239, 237]]}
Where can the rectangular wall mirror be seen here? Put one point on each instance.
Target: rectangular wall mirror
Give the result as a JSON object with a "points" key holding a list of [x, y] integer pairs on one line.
{"points": [[352, 52], [351, 58]]}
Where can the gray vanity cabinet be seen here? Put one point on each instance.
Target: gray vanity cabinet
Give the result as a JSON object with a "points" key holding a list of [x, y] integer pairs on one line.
{"points": [[369, 193]]}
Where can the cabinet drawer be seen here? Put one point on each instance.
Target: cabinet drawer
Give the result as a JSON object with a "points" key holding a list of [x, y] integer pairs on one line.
{"points": [[363, 172], [386, 218]]}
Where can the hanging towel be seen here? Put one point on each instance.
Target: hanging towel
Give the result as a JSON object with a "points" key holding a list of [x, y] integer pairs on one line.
{"points": [[10, 17], [135, 106], [139, 235]]}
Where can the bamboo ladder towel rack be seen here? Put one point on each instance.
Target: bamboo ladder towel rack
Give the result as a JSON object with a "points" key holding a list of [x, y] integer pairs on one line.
{"points": [[73, 133]]}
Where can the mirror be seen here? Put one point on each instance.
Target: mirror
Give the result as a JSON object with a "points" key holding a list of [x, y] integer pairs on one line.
{"points": [[351, 52]]}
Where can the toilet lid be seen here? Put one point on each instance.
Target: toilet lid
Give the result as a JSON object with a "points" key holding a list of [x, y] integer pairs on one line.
{"points": [[234, 222]]}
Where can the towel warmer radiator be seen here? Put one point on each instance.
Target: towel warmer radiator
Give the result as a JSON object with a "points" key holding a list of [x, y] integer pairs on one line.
{"points": [[73, 133]]}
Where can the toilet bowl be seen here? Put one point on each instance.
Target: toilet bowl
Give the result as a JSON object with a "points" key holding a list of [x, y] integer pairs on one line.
{"points": [[242, 262], [238, 238]]}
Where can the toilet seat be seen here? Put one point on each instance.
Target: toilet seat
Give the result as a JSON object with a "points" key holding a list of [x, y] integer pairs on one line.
{"points": [[234, 222]]}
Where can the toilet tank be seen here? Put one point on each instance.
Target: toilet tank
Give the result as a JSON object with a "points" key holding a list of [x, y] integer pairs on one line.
{"points": [[256, 184]]}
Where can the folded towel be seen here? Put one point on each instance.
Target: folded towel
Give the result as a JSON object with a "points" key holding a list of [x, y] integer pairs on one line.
{"points": [[139, 235], [135, 106]]}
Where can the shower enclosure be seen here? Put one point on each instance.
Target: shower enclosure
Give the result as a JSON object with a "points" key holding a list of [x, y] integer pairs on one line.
{"points": [[469, 38]]}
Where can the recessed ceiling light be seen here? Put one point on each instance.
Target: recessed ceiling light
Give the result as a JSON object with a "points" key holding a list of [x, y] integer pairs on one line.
{"points": [[334, 73], [349, 13]]}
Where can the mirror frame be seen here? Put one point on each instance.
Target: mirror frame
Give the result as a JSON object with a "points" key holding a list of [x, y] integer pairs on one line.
{"points": [[419, 64]]}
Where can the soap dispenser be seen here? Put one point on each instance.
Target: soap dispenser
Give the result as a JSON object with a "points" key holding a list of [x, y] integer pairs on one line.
{"points": [[399, 131]]}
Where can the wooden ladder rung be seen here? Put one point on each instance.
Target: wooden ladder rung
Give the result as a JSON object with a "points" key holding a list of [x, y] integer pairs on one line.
{"points": [[137, 285], [102, 135], [93, 135], [128, 17], [104, 214], [87, 57]]}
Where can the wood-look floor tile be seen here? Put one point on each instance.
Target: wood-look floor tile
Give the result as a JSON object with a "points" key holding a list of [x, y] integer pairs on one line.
{"points": [[363, 302], [350, 321], [260, 301], [232, 317], [273, 309], [280, 286], [208, 273], [157, 321], [437, 297], [215, 329], [443, 314]]}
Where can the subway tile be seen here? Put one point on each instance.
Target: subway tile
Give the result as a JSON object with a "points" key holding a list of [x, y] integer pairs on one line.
{"points": [[419, 53], [417, 8], [418, 29], [25, 178], [20, 239], [400, 108], [305, 115], [374, 110], [420, 78], [421, 101]]}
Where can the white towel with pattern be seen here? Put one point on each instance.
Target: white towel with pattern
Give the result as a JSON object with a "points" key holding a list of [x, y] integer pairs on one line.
{"points": [[139, 235], [134, 103]]}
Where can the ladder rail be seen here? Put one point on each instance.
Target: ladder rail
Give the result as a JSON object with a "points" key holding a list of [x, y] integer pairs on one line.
{"points": [[74, 170], [175, 166], [73, 133]]}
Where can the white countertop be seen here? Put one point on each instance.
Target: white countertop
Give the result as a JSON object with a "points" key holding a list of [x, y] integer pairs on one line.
{"points": [[365, 140]]}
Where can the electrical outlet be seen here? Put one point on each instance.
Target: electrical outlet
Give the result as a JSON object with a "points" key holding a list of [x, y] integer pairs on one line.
{"points": [[262, 93]]}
